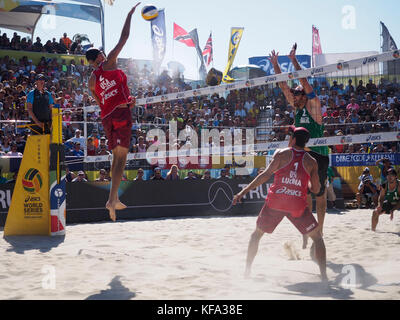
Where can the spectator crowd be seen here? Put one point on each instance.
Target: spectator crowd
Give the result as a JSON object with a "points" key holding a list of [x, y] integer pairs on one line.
{"points": [[347, 108]]}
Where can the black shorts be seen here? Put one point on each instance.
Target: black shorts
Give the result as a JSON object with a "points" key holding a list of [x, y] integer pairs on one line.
{"points": [[387, 207], [323, 165]]}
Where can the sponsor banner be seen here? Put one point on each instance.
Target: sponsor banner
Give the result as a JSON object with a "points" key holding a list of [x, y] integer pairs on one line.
{"points": [[363, 160], [317, 48], [159, 38], [284, 62]]}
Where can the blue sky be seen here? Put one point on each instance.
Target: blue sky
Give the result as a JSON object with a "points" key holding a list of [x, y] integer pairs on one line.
{"points": [[268, 25]]}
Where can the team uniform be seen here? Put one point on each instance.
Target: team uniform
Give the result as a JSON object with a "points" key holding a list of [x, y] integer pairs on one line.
{"points": [[287, 197], [392, 197], [112, 89], [304, 119]]}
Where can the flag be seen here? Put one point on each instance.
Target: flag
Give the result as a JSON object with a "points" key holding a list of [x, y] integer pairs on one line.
{"points": [[208, 51], [316, 48], [388, 44], [234, 42], [195, 38], [182, 36], [159, 38]]}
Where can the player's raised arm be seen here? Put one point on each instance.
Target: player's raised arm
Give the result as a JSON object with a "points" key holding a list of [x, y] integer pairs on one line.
{"points": [[113, 55], [273, 57], [304, 82]]}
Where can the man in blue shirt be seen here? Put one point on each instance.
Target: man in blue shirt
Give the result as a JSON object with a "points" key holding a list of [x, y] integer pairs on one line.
{"points": [[39, 103]]}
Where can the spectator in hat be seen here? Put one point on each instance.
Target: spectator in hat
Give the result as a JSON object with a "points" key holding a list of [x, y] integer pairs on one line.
{"points": [[191, 176], [78, 138], [80, 178], [39, 104]]}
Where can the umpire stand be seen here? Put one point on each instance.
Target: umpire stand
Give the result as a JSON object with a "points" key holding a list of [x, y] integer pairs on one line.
{"points": [[38, 205]]}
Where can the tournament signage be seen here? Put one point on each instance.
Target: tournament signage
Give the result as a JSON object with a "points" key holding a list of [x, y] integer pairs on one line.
{"points": [[363, 160], [29, 210]]}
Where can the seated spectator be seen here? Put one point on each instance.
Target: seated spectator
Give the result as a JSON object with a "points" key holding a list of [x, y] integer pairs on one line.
{"points": [[78, 138], [80, 177], [102, 176], [207, 175], [224, 174], [191, 176], [69, 175], [14, 151], [91, 148], [157, 175], [173, 174], [77, 151], [102, 151], [140, 175]]}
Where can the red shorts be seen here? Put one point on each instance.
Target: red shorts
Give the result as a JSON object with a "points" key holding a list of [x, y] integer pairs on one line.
{"points": [[269, 219], [118, 128]]}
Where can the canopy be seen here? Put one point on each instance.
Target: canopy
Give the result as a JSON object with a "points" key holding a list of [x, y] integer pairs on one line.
{"points": [[22, 15]]}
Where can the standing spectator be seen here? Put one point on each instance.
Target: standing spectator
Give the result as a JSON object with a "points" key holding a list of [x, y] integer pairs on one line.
{"points": [[38, 46], [66, 41], [39, 104], [91, 148], [78, 139], [353, 105]]}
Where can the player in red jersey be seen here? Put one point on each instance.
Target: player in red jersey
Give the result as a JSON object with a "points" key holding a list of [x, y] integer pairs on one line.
{"points": [[109, 87], [295, 171]]}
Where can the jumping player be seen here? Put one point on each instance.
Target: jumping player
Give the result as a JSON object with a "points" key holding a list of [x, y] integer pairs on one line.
{"points": [[295, 171], [108, 85], [389, 198], [308, 115]]}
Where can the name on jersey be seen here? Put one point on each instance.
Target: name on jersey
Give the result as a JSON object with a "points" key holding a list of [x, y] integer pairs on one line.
{"points": [[292, 181], [289, 192]]}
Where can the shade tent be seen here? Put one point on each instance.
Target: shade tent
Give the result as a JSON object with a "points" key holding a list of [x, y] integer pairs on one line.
{"points": [[23, 15]]}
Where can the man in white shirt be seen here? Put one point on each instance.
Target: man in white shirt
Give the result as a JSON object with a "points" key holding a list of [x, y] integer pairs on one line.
{"points": [[78, 138]]}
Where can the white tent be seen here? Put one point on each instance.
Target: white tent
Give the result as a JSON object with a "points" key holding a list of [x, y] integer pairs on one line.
{"points": [[23, 15]]}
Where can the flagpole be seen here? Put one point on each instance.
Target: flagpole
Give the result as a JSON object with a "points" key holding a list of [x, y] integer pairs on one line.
{"points": [[212, 50], [312, 47]]}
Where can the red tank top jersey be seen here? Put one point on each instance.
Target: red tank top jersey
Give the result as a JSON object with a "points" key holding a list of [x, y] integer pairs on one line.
{"points": [[112, 89], [289, 190]]}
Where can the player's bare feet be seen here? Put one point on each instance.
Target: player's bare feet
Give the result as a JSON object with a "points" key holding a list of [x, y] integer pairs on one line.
{"points": [[120, 206], [111, 207]]}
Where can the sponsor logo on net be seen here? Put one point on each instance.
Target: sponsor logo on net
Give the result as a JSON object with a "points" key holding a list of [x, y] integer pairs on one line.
{"points": [[370, 60], [346, 140], [316, 71], [343, 65], [318, 142], [372, 138], [270, 79]]}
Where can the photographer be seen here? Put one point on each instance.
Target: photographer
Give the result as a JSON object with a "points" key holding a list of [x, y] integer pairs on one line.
{"points": [[367, 193]]}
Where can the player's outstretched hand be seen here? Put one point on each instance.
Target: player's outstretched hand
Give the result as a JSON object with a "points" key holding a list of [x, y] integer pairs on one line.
{"points": [[273, 57], [292, 54]]}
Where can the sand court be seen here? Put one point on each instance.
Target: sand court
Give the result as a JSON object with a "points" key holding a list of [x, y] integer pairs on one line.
{"points": [[202, 258]]}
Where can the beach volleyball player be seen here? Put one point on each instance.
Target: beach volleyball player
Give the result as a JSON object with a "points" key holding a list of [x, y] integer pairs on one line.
{"points": [[308, 115], [109, 87], [295, 171]]}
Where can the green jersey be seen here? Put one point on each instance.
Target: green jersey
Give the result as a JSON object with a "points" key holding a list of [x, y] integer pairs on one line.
{"points": [[304, 119], [392, 196]]}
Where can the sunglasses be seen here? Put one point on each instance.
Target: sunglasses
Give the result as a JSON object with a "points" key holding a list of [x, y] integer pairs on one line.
{"points": [[297, 93]]}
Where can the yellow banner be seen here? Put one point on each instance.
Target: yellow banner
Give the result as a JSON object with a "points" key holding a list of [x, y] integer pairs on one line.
{"points": [[234, 42], [29, 210]]}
